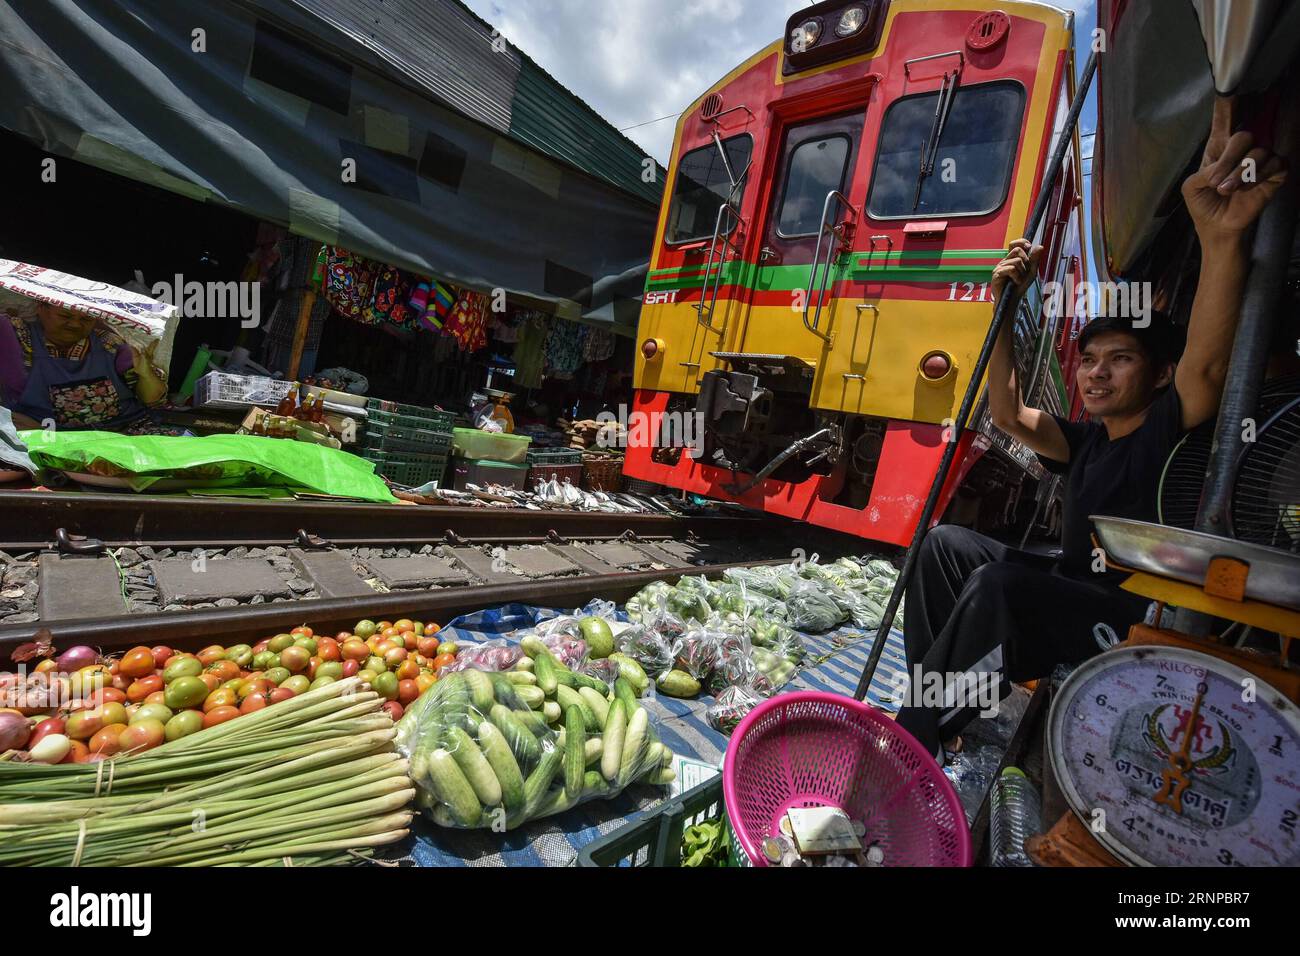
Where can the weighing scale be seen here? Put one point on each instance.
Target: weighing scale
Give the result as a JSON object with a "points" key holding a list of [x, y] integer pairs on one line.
{"points": [[1174, 750], [500, 410]]}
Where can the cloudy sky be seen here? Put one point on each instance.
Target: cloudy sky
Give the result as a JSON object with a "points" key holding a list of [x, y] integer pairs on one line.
{"points": [[638, 61]]}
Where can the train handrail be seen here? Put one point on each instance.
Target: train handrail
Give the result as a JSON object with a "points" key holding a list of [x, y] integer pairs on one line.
{"points": [[815, 326], [708, 265]]}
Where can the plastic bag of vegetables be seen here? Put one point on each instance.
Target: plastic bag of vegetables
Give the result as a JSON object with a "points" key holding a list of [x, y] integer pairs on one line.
{"points": [[812, 610], [765, 581], [498, 655], [735, 663], [650, 649], [696, 651], [731, 707], [494, 750]]}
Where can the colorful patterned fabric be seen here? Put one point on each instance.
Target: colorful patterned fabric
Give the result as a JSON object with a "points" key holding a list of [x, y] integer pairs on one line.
{"points": [[467, 323], [392, 293], [599, 345], [564, 349], [350, 284]]}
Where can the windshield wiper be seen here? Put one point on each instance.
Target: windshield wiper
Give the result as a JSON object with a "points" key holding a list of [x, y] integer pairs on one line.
{"points": [[930, 148]]}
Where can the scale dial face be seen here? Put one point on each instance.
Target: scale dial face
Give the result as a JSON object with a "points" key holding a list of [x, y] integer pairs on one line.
{"points": [[1191, 760]]}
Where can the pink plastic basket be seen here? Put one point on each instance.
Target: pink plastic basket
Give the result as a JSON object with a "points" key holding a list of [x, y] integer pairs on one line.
{"points": [[815, 749]]}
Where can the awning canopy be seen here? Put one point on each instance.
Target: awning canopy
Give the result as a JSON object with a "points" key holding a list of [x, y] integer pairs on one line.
{"points": [[267, 106]]}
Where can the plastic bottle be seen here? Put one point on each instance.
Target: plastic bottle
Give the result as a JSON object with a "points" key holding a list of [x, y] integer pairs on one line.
{"points": [[1015, 815], [289, 402]]}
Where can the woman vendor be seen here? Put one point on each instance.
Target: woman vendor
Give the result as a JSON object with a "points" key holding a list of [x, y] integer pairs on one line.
{"points": [[64, 366]]}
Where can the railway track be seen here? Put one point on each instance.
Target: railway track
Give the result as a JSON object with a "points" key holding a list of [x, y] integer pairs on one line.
{"points": [[120, 571]]}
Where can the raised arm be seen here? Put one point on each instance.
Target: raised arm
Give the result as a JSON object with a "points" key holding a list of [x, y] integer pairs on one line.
{"points": [[1224, 197], [1035, 428]]}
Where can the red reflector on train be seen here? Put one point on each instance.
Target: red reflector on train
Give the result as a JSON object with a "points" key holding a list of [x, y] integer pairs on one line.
{"points": [[936, 365], [650, 348]]}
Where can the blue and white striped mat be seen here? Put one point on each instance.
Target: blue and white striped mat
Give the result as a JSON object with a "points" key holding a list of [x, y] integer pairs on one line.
{"points": [[834, 663]]}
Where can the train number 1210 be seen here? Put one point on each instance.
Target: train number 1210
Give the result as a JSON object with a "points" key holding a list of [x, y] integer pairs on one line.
{"points": [[968, 292]]}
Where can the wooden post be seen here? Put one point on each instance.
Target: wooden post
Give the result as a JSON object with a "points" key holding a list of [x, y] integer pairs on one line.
{"points": [[300, 333]]}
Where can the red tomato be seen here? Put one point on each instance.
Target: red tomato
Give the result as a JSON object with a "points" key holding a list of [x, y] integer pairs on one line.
{"points": [[120, 682], [212, 680], [350, 668], [354, 650], [279, 694], [221, 697], [255, 702], [224, 670], [327, 649], [394, 709], [157, 697], [430, 628], [388, 633], [342, 636], [408, 670], [108, 695], [263, 645], [405, 624], [161, 654], [107, 740], [252, 688], [394, 656], [78, 753], [428, 646], [381, 625], [407, 691], [313, 663], [384, 645], [219, 715], [410, 641], [211, 654], [137, 662], [295, 659], [142, 688], [425, 681], [302, 631], [142, 735], [442, 660]]}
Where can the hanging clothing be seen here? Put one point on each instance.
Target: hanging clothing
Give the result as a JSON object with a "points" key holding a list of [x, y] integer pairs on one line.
{"points": [[564, 349], [291, 278], [350, 284], [467, 323], [392, 296], [599, 345], [504, 326], [431, 302], [530, 350]]}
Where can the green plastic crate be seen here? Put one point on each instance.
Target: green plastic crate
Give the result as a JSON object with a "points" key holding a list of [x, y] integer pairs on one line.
{"points": [[391, 438], [554, 456], [656, 838], [426, 418], [410, 470]]}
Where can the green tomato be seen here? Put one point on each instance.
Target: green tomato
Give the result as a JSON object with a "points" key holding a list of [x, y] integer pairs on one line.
{"points": [[365, 629], [183, 724], [235, 683], [307, 642], [447, 647], [185, 691], [385, 685], [330, 669], [184, 667], [152, 712], [368, 676], [265, 660], [298, 683], [376, 664], [278, 675], [419, 629], [241, 654], [322, 681], [280, 642]]}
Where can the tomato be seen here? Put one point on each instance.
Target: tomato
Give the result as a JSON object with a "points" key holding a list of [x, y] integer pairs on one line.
{"points": [[184, 724], [107, 740], [295, 659], [376, 664], [108, 695], [45, 666], [302, 630], [408, 670], [405, 624], [277, 675], [448, 647], [137, 662], [390, 634], [383, 624], [262, 646], [145, 735], [279, 694], [241, 654], [298, 683], [354, 650], [266, 660], [77, 753], [185, 692], [364, 629], [224, 670], [425, 681], [84, 724], [309, 643], [211, 681], [442, 660], [367, 676], [428, 646], [211, 654], [342, 636], [322, 681], [254, 702], [328, 651], [222, 697], [407, 691], [430, 628], [121, 683], [385, 685], [219, 715], [150, 712], [157, 697], [254, 687], [393, 709], [86, 681], [280, 642], [312, 664], [395, 656], [185, 667], [50, 725], [161, 655], [350, 668]]}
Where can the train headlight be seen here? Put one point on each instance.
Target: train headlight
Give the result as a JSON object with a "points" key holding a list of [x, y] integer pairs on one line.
{"points": [[851, 21], [805, 35], [936, 366]]}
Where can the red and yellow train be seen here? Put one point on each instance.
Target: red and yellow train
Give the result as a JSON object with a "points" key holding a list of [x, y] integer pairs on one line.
{"points": [[818, 290]]}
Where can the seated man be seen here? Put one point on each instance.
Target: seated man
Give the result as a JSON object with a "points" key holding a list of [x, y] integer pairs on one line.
{"points": [[992, 613]]}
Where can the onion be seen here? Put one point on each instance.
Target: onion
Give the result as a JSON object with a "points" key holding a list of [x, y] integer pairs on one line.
{"points": [[51, 749], [75, 658], [14, 731]]}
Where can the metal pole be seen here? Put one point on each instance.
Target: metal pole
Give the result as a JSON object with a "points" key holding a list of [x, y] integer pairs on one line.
{"points": [[1005, 307], [1261, 311]]}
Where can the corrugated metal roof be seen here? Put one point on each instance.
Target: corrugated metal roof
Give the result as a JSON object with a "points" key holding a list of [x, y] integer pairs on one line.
{"points": [[447, 49]]}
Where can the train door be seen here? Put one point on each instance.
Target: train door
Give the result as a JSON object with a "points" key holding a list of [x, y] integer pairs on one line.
{"points": [[797, 259]]}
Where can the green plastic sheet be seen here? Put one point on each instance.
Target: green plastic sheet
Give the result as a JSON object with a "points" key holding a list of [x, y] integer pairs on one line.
{"points": [[215, 460]]}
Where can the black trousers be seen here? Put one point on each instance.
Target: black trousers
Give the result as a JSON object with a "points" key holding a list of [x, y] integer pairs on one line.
{"points": [[980, 615]]}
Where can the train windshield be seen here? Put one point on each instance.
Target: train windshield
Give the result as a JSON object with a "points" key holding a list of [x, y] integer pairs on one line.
{"points": [[972, 163], [702, 187], [816, 167]]}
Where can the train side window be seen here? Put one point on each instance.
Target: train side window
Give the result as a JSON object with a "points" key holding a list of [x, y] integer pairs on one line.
{"points": [[973, 162], [703, 186], [815, 168]]}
